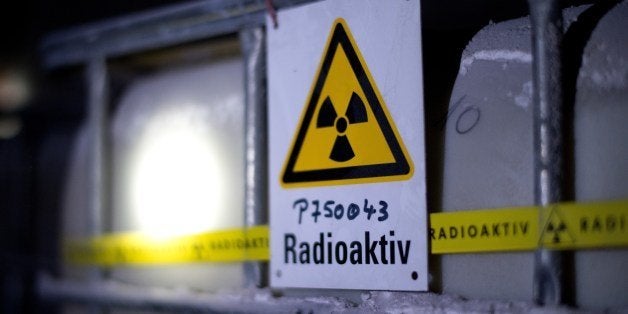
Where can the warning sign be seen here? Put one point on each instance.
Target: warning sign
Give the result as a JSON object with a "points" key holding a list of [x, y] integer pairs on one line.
{"points": [[346, 147], [346, 134], [555, 229]]}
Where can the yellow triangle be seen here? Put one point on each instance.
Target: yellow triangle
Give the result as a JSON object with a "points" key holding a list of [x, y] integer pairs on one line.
{"points": [[346, 134], [555, 230]]}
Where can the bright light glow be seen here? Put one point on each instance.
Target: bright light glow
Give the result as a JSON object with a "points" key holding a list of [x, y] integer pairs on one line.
{"points": [[10, 127], [15, 89], [176, 176]]}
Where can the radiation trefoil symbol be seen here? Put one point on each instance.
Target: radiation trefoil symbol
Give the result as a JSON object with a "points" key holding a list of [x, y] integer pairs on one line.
{"points": [[346, 134], [555, 230], [327, 117]]}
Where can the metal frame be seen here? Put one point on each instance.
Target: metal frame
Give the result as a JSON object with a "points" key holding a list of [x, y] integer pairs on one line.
{"points": [[111, 294], [253, 43], [547, 32], [97, 78], [155, 29], [93, 44]]}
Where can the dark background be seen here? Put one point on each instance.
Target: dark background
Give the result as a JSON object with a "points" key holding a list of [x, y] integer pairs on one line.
{"points": [[32, 163]]}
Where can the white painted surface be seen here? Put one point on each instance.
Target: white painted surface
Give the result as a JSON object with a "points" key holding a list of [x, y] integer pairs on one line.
{"points": [[601, 152], [177, 167], [491, 165], [388, 36]]}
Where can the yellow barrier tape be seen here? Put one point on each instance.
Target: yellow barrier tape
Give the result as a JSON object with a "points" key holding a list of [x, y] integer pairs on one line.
{"points": [[564, 226], [231, 245], [484, 230], [585, 225]]}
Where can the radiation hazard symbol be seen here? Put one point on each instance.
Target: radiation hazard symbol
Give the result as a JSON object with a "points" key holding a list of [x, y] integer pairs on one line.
{"points": [[346, 134], [555, 229]]}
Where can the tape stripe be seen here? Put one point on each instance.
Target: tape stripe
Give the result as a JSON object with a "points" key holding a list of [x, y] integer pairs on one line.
{"points": [[484, 230], [585, 225], [565, 226], [233, 245]]}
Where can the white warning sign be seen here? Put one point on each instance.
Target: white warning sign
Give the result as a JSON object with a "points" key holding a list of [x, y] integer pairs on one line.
{"points": [[347, 174]]}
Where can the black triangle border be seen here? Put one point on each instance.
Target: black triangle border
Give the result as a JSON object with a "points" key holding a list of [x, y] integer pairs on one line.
{"points": [[399, 167]]}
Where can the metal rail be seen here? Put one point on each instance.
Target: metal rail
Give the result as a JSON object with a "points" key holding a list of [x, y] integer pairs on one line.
{"points": [[93, 44], [253, 43], [155, 29], [110, 294], [547, 32], [96, 78]]}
